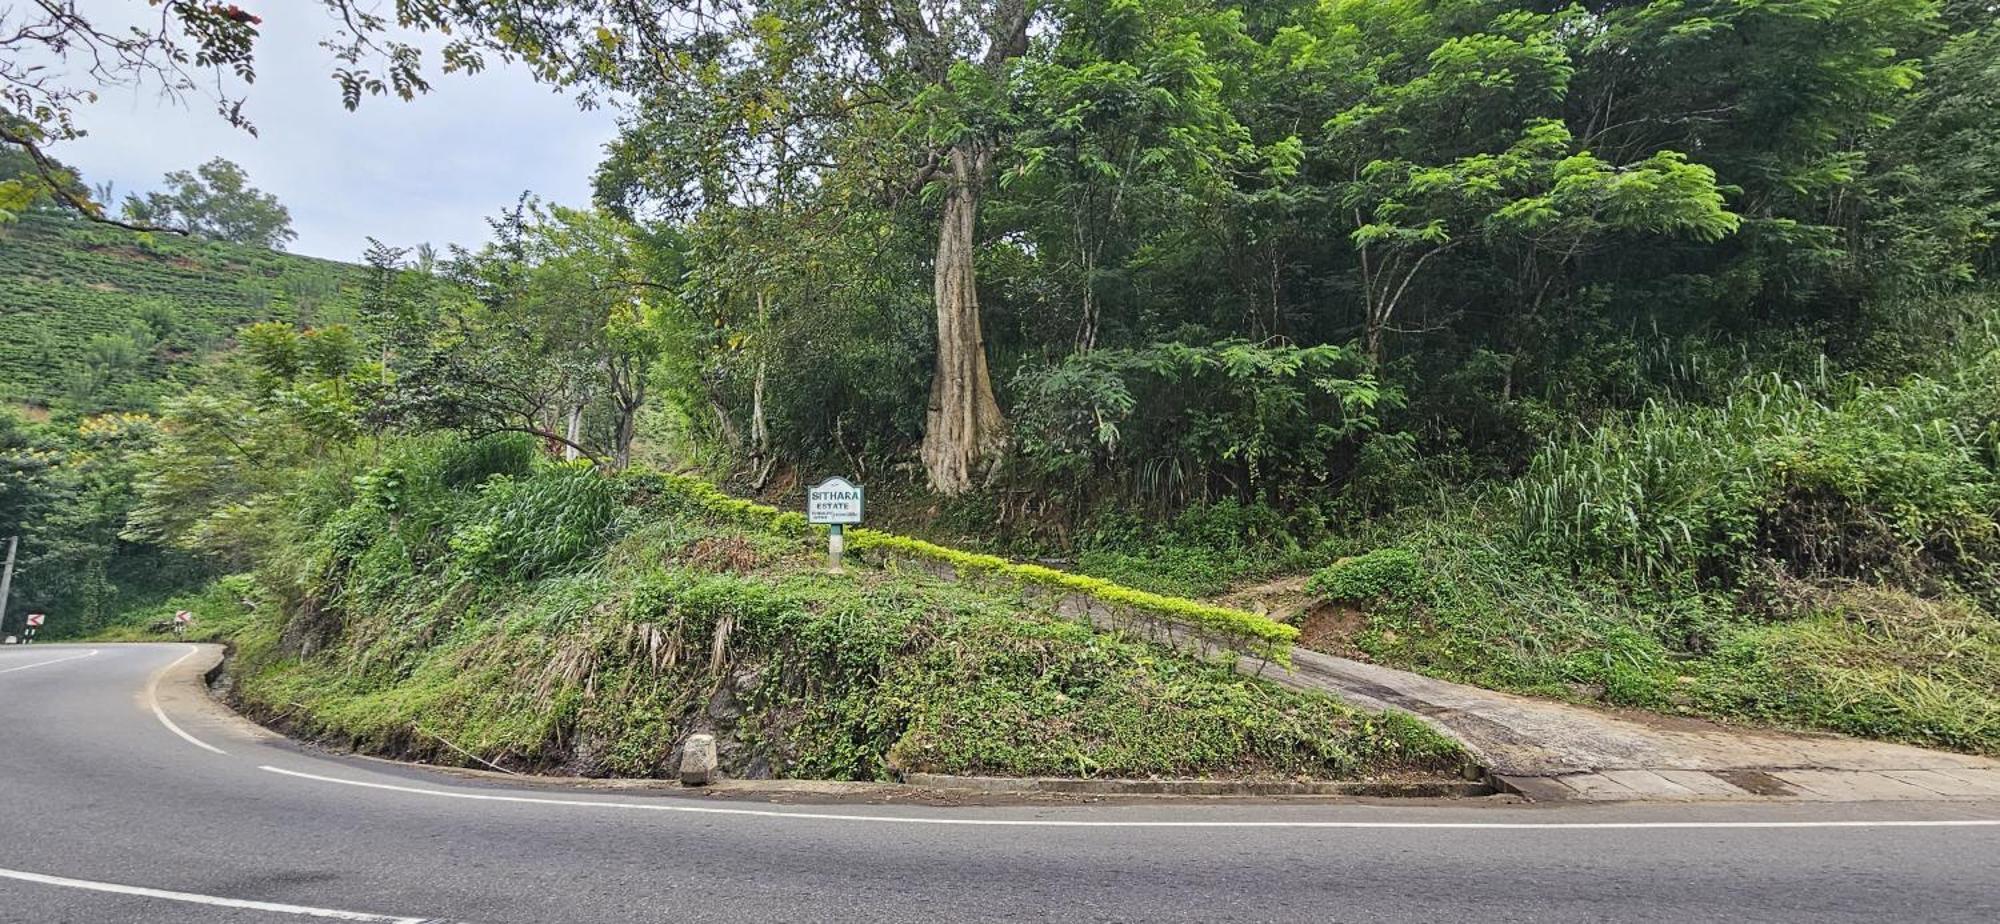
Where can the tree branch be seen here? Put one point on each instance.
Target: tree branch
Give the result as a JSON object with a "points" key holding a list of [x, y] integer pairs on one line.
{"points": [[52, 175]]}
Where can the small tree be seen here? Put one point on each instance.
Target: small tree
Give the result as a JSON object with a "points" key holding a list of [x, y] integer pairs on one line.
{"points": [[559, 315]]}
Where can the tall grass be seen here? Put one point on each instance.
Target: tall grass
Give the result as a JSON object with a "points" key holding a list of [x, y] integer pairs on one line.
{"points": [[1889, 483]]}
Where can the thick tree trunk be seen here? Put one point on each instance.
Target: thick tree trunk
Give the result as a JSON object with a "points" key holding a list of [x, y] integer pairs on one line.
{"points": [[573, 432], [760, 434], [963, 428]]}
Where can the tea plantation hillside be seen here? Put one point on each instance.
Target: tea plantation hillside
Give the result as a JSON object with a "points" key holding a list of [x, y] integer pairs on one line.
{"points": [[96, 318]]}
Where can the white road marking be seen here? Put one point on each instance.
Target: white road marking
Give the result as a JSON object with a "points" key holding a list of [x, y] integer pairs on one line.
{"points": [[153, 700], [1061, 823], [212, 900], [49, 662]]}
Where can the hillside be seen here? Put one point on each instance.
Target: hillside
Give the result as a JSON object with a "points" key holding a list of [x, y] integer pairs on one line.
{"points": [[473, 601], [95, 318]]}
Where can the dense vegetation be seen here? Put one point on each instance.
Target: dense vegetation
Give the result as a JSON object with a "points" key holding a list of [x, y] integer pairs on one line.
{"points": [[447, 599], [95, 319], [97, 328], [1631, 352]]}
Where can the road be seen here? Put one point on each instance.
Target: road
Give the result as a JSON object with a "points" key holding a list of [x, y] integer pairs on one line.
{"points": [[127, 796]]}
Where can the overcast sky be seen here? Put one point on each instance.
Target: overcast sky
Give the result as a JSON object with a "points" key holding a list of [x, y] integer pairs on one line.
{"points": [[424, 171]]}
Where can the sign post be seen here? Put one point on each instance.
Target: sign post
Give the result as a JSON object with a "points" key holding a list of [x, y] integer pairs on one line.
{"points": [[7, 577], [35, 621], [181, 621], [835, 502]]}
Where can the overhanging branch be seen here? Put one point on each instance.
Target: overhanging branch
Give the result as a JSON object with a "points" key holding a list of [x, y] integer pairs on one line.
{"points": [[52, 175]]}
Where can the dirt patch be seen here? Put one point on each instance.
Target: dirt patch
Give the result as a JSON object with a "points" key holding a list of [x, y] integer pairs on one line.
{"points": [[1330, 628], [34, 412], [729, 554], [1283, 599]]}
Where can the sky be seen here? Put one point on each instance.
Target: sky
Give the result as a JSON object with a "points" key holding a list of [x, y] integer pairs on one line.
{"points": [[426, 171]]}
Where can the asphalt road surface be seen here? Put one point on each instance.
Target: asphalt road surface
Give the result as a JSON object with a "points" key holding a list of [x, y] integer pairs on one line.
{"points": [[126, 796]]}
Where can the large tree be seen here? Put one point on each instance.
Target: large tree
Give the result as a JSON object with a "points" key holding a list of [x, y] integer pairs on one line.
{"points": [[215, 200], [731, 99]]}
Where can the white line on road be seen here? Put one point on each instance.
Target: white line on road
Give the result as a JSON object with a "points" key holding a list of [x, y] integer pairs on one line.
{"points": [[213, 900], [153, 700], [1060, 823], [49, 662]]}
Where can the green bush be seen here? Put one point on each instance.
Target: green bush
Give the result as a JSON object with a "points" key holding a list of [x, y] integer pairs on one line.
{"points": [[1367, 577], [1200, 552], [525, 527], [1257, 634], [471, 462]]}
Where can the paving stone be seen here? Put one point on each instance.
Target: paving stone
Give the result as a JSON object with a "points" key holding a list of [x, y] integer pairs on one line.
{"points": [[1648, 785], [1537, 788], [1988, 781], [1944, 784], [1703, 783], [1864, 786], [1597, 787], [1604, 755]]}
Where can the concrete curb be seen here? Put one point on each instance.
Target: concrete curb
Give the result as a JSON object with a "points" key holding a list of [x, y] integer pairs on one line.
{"points": [[1412, 789], [936, 787]]}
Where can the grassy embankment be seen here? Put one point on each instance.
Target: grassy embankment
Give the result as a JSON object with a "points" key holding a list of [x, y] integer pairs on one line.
{"points": [[457, 600], [1816, 554]]}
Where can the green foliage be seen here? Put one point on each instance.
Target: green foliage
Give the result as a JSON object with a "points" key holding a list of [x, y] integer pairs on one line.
{"points": [[1817, 556], [1369, 577], [1635, 350], [709, 613], [65, 490], [1892, 484], [23, 188], [215, 201], [1274, 416], [1257, 634], [288, 399], [469, 463], [222, 609], [1199, 552], [524, 527], [561, 317]]}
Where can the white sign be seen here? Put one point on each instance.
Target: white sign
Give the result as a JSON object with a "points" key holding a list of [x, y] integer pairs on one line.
{"points": [[835, 500], [183, 617], [35, 619]]}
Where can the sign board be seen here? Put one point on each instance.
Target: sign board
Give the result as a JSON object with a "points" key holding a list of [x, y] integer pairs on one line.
{"points": [[183, 617], [835, 500], [36, 619]]}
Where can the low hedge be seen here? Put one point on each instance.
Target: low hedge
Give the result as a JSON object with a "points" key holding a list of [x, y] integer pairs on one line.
{"points": [[1257, 634]]}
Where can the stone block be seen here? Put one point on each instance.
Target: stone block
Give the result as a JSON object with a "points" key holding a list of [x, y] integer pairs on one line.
{"points": [[698, 761]]}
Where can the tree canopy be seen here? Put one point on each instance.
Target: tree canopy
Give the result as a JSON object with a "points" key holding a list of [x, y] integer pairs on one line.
{"points": [[215, 200]]}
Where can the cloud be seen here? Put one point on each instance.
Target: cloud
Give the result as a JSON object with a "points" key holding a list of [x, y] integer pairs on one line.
{"points": [[430, 170]]}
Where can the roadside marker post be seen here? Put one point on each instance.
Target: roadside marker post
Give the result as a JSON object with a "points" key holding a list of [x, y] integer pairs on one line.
{"points": [[35, 621], [181, 621], [834, 503]]}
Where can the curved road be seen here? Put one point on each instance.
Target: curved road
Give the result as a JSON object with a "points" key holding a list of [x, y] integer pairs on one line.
{"points": [[127, 796]]}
